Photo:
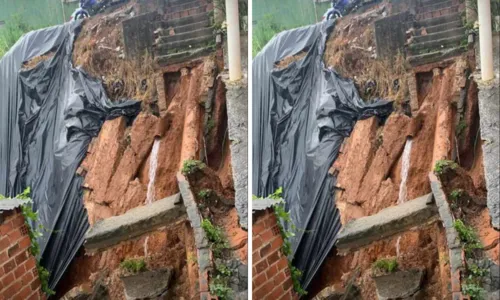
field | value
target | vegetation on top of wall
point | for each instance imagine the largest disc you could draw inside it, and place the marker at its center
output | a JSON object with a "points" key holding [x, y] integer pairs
{"points": [[34, 233], [263, 32]]}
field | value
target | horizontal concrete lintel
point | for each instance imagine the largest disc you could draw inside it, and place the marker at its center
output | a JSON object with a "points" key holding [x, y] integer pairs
{"points": [[134, 223], [387, 223]]}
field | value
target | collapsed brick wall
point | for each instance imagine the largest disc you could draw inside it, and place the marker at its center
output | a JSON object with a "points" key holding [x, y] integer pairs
{"points": [[18, 274], [271, 274]]}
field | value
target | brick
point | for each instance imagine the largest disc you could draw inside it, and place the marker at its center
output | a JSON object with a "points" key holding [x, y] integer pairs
{"points": [[9, 266], [267, 235], [35, 296], [13, 250], [279, 278], [30, 264], [277, 243], [255, 256], [35, 285], [25, 242], [259, 280], [3, 256], [274, 257], [276, 293], [288, 283], [24, 293], [21, 257], [4, 242], [256, 243], [282, 263], [273, 270], [7, 280], [11, 291], [19, 271], [260, 267], [18, 221], [261, 292], [5, 228], [14, 236], [258, 228], [27, 278], [265, 251], [271, 221]]}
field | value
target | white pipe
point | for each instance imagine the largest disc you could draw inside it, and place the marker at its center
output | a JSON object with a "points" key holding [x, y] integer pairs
{"points": [[485, 43], [233, 39]]}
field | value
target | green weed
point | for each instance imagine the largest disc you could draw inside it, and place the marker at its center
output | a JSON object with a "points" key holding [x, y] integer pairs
{"points": [[442, 166], [133, 265], [191, 166], [386, 265], [216, 237]]}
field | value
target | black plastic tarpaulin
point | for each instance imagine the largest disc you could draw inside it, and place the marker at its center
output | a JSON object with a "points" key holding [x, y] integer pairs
{"points": [[301, 115], [48, 116]]}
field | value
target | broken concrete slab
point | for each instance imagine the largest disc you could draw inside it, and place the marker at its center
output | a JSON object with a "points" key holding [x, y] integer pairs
{"points": [[489, 112], [237, 107], [134, 223], [147, 285], [399, 285], [388, 222]]}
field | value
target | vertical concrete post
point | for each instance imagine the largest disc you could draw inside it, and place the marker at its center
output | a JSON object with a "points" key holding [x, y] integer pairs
{"points": [[485, 43], [233, 39]]}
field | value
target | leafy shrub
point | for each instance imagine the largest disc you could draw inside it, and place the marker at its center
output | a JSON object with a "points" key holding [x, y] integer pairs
{"points": [[205, 193], [216, 237], [473, 290]]}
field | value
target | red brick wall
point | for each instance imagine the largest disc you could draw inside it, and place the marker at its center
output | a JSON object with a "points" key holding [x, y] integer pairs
{"points": [[18, 275], [271, 275]]}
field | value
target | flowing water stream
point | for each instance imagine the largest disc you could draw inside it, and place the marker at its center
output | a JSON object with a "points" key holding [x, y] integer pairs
{"points": [[150, 198], [405, 166]]}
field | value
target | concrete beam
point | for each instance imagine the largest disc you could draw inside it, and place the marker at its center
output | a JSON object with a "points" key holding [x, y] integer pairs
{"points": [[388, 222], [134, 223]]}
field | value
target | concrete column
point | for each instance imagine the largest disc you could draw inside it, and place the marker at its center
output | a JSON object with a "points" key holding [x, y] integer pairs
{"points": [[485, 44], [233, 39]]}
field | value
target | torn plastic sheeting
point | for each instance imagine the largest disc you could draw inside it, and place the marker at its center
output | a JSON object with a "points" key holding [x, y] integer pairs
{"points": [[301, 116], [48, 116]]}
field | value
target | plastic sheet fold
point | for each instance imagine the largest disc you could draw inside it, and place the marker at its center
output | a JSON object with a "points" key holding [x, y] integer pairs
{"points": [[301, 115], [48, 116]]}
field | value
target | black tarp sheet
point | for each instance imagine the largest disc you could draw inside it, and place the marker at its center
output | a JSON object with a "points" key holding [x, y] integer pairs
{"points": [[301, 115], [48, 116]]}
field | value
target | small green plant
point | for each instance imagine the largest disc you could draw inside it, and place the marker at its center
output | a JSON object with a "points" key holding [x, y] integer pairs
{"points": [[477, 272], [460, 128], [467, 236], [216, 237], [442, 166], [192, 259], [456, 194], [205, 193], [386, 265], [475, 291], [133, 265], [223, 270], [191, 166], [221, 290]]}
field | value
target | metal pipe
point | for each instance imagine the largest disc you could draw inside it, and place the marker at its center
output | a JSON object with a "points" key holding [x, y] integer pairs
{"points": [[233, 39], [485, 43]]}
